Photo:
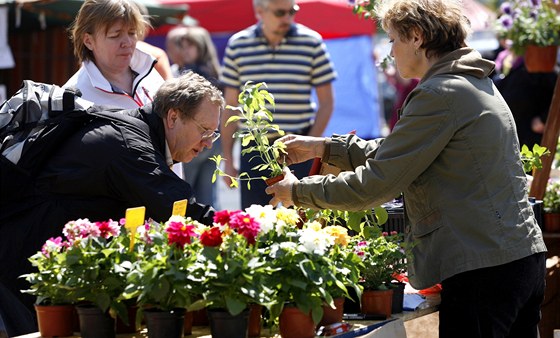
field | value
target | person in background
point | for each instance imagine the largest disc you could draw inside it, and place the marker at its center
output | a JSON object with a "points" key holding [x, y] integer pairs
{"points": [[193, 50], [113, 71], [107, 166], [528, 95], [292, 60], [173, 47], [454, 155]]}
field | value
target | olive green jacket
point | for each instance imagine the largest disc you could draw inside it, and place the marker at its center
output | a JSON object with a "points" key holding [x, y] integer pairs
{"points": [[454, 155]]}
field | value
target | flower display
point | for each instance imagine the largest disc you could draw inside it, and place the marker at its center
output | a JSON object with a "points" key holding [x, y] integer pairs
{"points": [[529, 22], [309, 261]]}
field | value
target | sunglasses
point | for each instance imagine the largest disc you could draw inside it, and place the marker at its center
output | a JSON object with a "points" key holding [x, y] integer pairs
{"points": [[280, 13]]}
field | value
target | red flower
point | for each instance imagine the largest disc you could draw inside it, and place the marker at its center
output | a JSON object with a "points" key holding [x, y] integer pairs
{"points": [[211, 237], [179, 233], [222, 217]]}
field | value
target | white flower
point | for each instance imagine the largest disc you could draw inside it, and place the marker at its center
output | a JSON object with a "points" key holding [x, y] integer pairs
{"points": [[315, 240], [265, 215]]}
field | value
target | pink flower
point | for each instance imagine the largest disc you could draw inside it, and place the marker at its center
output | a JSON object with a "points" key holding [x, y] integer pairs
{"points": [[211, 237], [180, 233], [80, 228], [245, 225], [108, 228], [52, 245]]}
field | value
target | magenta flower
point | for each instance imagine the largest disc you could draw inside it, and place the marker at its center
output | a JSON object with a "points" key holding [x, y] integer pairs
{"points": [[222, 217], [180, 233], [245, 225], [108, 228]]}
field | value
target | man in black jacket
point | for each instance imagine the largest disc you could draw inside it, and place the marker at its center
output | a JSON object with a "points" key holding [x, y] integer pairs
{"points": [[110, 165]]}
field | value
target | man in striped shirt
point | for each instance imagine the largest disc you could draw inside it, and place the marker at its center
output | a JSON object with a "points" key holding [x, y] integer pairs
{"points": [[292, 60]]}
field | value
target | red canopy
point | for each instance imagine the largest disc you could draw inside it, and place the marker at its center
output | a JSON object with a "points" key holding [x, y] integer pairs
{"points": [[331, 18]]}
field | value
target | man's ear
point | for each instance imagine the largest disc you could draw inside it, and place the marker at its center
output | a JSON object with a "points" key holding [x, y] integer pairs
{"points": [[171, 118]]}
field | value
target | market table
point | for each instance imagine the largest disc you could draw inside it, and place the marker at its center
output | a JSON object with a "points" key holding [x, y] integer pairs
{"points": [[359, 329]]}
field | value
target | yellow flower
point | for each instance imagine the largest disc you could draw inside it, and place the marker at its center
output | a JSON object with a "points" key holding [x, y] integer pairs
{"points": [[339, 233], [289, 216]]}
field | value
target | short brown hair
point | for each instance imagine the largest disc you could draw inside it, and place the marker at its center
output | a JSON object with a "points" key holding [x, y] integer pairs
{"points": [[441, 22], [95, 15]]}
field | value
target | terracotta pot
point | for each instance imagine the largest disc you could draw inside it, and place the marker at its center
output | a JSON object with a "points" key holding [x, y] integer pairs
{"points": [[273, 180], [330, 315], [539, 59], [377, 302], [255, 313], [55, 320], [296, 324], [551, 222], [187, 329]]}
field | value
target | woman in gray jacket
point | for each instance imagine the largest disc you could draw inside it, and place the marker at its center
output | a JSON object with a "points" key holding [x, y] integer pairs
{"points": [[454, 156]]}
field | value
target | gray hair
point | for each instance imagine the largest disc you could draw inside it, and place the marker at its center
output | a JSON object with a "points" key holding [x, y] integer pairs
{"points": [[264, 3], [185, 94]]}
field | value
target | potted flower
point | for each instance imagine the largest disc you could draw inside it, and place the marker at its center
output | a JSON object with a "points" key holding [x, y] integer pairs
{"points": [[382, 257], [97, 261], [54, 305], [307, 274], [236, 272], [257, 121], [167, 278], [533, 27]]}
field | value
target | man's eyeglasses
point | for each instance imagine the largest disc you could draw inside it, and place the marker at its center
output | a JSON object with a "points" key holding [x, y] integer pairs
{"points": [[280, 13], [207, 134]]}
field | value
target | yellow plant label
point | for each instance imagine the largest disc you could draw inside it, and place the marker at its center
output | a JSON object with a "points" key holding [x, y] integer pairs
{"points": [[134, 217], [179, 208]]}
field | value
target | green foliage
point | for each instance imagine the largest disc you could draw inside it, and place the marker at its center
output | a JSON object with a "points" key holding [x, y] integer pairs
{"points": [[382, 257], [257, 127], [365, 223], [551, 200], [529, 23], [165, 275], [531, 159], [49, 283], [236, 275]]}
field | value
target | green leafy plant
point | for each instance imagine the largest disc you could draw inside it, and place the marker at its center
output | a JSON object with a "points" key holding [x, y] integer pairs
{"points": [[254, 136], [366, 223], [89, 265], [383, 257], [531, 159], [49, 282], [167, 273], [235, 269], [533, 22]]}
